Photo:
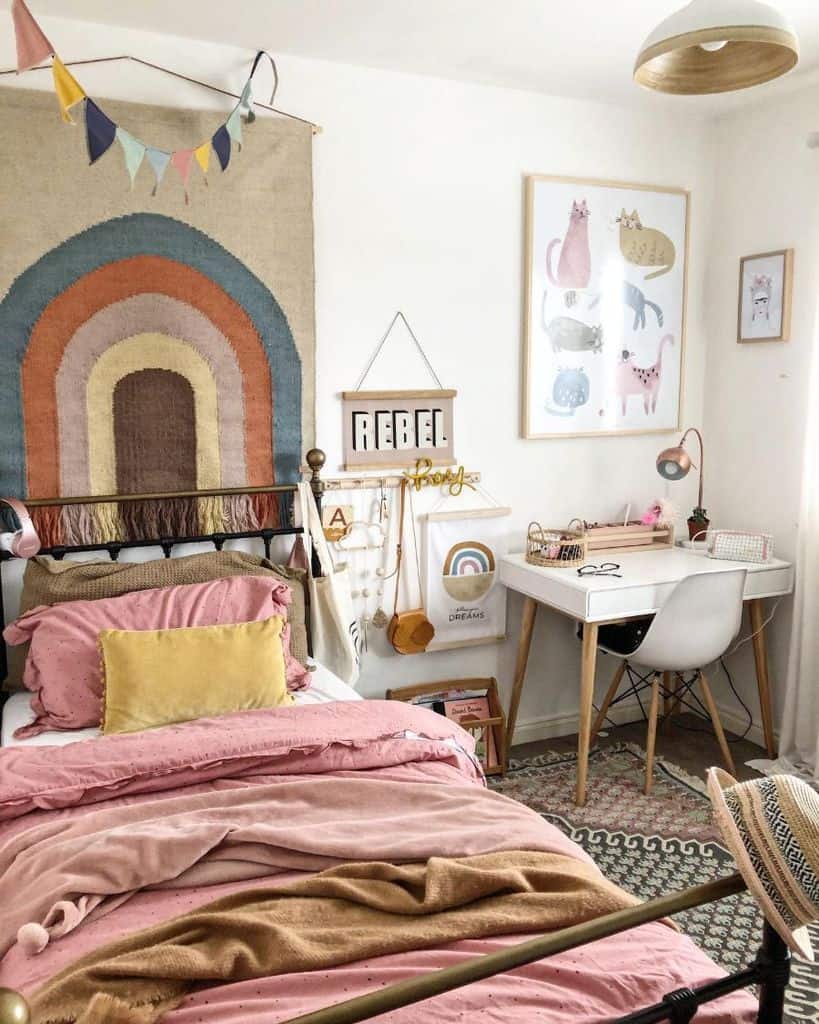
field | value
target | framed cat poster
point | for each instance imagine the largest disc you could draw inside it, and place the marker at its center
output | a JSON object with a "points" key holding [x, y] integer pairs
{"points": [[764, 312], [604, 335]]}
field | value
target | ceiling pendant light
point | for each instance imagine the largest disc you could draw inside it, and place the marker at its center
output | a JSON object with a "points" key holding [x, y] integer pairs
{"points": [[717, 46]]}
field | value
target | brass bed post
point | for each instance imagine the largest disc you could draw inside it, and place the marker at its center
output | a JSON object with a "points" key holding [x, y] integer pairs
{"points": [[315, 460]]}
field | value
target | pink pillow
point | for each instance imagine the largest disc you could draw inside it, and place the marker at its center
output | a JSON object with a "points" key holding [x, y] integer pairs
{"points": [[63, 667]]}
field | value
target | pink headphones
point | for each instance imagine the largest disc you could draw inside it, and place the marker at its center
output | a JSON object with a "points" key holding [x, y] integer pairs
{"points": [[24, 543]]}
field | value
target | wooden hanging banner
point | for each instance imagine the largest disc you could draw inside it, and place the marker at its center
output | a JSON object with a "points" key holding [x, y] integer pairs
{"points": [[394, 429]]}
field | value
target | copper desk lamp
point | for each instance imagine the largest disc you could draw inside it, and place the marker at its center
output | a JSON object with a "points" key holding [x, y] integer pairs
{"points": [[674, 464]]}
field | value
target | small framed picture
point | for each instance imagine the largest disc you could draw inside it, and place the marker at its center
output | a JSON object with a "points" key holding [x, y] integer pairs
{"points": [[764, 311]]}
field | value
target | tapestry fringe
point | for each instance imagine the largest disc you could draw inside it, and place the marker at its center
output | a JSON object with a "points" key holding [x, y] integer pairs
{"points": [[160, 519]]}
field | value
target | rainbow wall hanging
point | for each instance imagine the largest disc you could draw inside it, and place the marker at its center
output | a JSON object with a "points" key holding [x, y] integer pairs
{"points": [[463, 597], [160, 351]]}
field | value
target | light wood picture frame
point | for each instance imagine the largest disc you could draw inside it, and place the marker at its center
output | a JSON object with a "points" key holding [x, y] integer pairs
{"points": [[604, 307], [764, 301]]}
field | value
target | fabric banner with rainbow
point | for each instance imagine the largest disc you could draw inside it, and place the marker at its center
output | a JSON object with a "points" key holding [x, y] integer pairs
{"points": [[464, 600]]}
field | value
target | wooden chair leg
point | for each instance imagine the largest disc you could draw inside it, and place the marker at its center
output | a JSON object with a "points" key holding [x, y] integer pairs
{"points": [[710, 703], [611, 693], [651, 739]]}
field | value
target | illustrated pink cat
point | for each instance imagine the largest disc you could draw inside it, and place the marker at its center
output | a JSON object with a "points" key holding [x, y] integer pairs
{"points": [[574, 265], [640, 380]]}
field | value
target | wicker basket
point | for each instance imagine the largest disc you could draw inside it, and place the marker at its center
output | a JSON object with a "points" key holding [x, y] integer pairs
{"points": [[558, 549]]}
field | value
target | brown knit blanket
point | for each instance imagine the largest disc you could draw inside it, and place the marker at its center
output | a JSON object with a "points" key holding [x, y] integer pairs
{"points": [[341, 915]]}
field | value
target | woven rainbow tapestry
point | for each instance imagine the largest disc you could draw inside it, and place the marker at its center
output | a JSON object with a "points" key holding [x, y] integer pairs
{"points": [[146, 345]]}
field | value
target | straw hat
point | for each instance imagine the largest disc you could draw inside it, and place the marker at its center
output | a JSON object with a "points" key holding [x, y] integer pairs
{"points": [[771, 826]]}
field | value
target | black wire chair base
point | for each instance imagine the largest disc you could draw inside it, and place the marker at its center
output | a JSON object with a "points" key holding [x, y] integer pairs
{"points": [[679, 691]]}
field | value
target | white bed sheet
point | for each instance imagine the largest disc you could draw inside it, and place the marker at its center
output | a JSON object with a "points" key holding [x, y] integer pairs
{"points": [[325, 687]]}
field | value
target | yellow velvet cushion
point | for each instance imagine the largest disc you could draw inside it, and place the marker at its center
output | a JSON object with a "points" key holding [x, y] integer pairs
{"points": [[155, 677]]}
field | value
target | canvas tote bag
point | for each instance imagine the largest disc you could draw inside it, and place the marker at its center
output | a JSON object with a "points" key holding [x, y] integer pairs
{"points": [[333, 622]]}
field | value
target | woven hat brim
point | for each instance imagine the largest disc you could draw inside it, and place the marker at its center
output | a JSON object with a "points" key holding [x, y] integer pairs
{"points": [[797, 939]]}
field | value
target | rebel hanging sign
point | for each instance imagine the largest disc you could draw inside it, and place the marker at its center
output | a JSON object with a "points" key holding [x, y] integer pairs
{"points": [[393, 429]]}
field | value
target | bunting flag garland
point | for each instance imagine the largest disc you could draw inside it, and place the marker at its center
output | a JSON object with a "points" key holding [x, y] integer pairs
{"points": [[234, 127], [159, 160], [68, 89], [133, 150], [246, 101], [100, 130], [202, 154], [33, 48], [182, 160], [221, 146]]}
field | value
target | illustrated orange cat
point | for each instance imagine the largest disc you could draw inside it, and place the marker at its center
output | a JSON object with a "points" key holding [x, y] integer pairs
{"points": [[645, 247]]}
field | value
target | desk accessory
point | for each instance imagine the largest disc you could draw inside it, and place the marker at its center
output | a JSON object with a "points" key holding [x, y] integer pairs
{"points": [[674, 464], [738, 546], [474, 704], [555, 549], [633, 536]]}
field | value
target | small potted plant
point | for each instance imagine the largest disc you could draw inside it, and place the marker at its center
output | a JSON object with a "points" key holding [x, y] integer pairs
{"points": [[698, 523]]}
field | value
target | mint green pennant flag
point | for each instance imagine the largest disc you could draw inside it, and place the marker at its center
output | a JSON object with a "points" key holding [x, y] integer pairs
{"points": [[234, 126], [246, 102], [133, 150]]}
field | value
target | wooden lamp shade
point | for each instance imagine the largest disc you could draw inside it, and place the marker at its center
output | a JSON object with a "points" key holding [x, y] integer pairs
{"points": [[717, 46]]}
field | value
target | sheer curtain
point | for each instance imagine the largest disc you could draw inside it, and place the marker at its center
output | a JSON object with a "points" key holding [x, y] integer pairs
{"points": [[799, 738]]}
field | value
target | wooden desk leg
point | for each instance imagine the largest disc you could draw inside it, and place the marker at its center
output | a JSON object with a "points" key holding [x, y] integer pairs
{"points": [[762, 679], [527, 626], [588, 666]]}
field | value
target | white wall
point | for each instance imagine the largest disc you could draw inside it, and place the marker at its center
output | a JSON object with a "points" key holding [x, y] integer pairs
{"points": [[418, 206], [756, 395]]}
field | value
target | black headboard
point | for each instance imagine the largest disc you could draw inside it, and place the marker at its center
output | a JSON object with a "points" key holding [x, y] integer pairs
{"points": [[315, 459]]}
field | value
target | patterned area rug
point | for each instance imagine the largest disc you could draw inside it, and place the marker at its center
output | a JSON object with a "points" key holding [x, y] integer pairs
{"points": [[654, 845]]}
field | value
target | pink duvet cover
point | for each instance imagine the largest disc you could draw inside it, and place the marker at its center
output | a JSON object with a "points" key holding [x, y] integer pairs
{"points": [[353, 781]]}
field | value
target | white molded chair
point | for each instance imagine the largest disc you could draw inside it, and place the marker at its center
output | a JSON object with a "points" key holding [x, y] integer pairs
{"points": [[694, 627]]}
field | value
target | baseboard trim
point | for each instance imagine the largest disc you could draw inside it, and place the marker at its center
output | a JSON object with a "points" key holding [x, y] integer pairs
{"points": [[550, 726]]}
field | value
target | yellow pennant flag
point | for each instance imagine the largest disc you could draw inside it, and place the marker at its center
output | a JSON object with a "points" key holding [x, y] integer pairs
{"points": [[202, 154], [68, 89]]}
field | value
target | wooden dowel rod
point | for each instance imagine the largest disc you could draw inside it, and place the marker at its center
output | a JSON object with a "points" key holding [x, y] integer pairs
{"points": [[359, 483], [436, 982]]}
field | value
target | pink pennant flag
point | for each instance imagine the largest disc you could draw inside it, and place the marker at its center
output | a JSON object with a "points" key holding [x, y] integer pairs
{"points": [[182, 160], [32, 46]]}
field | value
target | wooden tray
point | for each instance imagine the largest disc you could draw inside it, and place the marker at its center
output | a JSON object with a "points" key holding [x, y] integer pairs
{"points": [[496, 722], [631, 537]]}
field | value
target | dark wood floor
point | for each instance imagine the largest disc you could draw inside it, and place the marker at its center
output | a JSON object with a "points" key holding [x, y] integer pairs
{"points": [[692, 751]]}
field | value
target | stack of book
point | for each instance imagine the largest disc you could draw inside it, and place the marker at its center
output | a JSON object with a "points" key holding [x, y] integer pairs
{"points": [[470, 709]]}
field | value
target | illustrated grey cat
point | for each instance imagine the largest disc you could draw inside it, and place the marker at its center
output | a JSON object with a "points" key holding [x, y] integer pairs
{"points": [[573, 335], [569, 391], [633, 297]]}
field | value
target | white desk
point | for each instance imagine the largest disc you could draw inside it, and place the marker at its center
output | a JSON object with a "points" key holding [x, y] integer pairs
{"points": [[648, 577]]}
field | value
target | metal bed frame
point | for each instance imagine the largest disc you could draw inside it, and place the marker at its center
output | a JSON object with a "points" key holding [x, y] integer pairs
{"points": [[769, 970]]}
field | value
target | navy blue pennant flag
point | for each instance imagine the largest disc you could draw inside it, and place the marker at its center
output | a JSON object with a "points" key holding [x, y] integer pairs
{"points": [[221, 146], [100, 131]]}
